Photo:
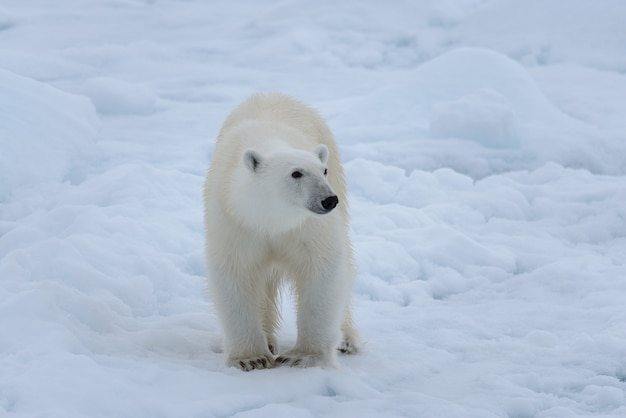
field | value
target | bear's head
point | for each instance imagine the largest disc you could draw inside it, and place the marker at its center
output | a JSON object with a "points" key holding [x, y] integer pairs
{"points": [[285, 186]]}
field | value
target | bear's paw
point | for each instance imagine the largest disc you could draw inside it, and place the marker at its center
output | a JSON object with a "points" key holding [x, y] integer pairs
{"points": [[297, 359], [347, 346]]}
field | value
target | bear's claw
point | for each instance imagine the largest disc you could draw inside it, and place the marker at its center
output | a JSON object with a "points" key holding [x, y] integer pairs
{"points": [[347, 346], [254, 363], [290, 361]]}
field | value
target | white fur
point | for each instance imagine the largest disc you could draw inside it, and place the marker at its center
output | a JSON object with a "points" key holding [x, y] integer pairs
{"points": [[264, 225]]}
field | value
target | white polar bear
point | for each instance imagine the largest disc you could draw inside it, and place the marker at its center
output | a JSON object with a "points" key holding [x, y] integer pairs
{"points": [[276, 209]]}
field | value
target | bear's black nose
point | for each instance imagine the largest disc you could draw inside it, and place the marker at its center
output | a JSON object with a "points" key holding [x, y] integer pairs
{"points": [[330, 202]]}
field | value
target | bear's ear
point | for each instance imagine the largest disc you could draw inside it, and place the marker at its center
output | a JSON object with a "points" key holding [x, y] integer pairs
{"points": [[322, 153], [252, 159]]}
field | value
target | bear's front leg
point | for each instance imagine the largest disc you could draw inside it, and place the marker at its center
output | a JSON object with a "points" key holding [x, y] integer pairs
{"points": [[238, 309], [322, 300]]}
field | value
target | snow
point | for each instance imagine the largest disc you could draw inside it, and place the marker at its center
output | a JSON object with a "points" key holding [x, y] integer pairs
{"points": [[483, 116], [48, 135], [483, 142], [115, 96]]}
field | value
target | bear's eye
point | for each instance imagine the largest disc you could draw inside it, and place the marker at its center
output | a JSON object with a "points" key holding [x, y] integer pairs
{"points": [[296, 174], [325, 171]]}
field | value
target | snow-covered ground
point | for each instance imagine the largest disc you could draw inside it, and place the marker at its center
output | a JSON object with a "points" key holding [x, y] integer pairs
{"points": [[485, 147]]}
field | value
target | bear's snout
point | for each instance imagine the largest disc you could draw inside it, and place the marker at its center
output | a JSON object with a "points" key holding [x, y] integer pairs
{"points": [[330, 203]]}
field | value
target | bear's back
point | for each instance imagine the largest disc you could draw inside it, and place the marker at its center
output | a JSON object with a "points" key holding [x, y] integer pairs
{"points": [[280, 108]]}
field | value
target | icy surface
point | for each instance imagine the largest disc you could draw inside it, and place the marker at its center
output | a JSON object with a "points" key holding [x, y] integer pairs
{"points": [[484, 143]]}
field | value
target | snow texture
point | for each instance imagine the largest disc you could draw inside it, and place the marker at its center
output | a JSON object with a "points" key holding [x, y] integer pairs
{"points": [[484, 144]]}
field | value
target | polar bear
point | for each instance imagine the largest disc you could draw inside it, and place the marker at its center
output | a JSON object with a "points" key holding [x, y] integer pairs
{"points": [[275, 211]]}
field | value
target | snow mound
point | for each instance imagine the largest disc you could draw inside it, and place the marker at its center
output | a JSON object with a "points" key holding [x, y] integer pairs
{"points": [[113, 96], [483, 116], [487, 106], [466, 71], [461, 74], [456, 81], [46, 135]]}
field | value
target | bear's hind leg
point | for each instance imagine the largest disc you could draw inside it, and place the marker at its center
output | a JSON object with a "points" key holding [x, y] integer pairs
{"points": [[351, 342]]}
